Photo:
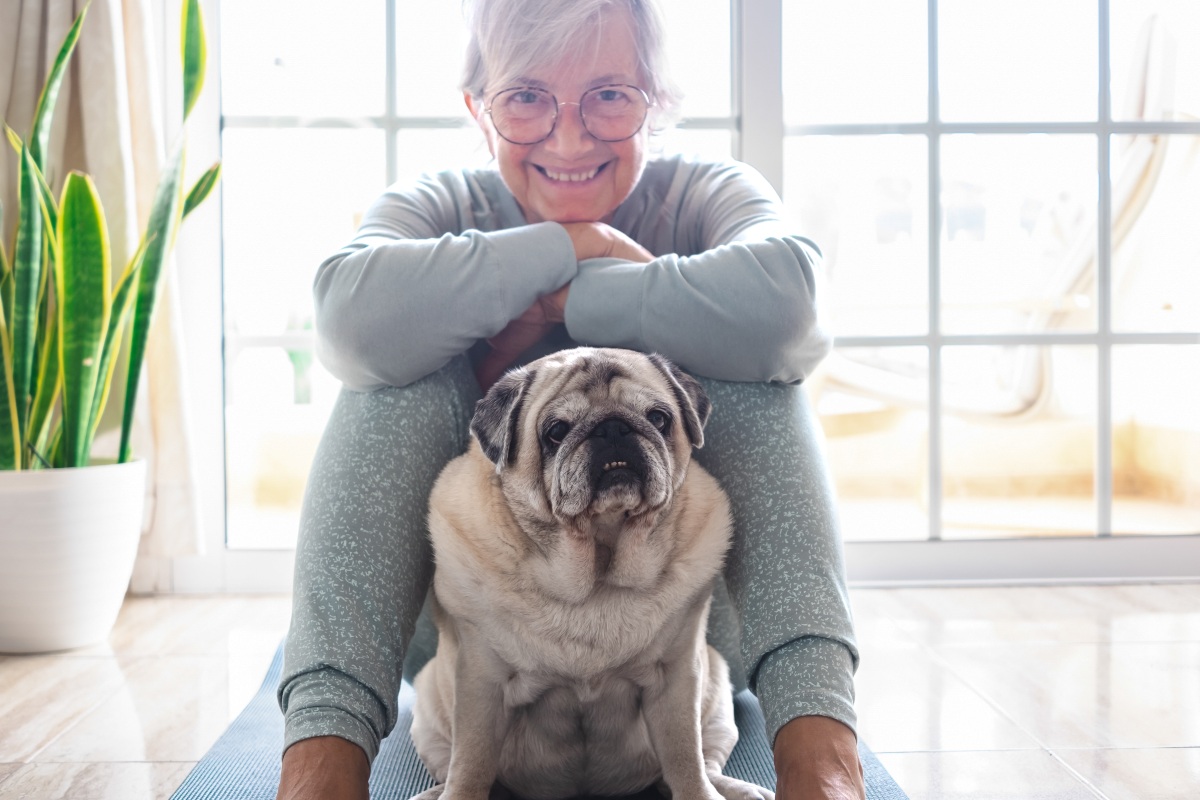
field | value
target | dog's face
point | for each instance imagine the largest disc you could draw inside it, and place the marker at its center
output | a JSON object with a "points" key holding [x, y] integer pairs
{"points": [[591, 432]]}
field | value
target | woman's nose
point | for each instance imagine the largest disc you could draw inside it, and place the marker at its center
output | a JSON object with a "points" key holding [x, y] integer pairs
{"points": [[570, 136]]}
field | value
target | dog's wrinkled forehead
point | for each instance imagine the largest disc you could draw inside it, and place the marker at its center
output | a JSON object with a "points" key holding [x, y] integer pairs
{"points": [[579, 383], [593, 383]]}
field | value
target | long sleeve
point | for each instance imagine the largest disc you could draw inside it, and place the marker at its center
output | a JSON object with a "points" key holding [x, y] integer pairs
{"points": [[735, 296], [433, 269]]}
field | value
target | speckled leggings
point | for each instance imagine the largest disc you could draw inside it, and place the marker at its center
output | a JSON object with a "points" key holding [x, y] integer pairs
{"points": [[363, 562]]}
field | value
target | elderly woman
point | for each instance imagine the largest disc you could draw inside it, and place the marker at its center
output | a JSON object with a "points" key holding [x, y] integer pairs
{"points": [[577, 236]]}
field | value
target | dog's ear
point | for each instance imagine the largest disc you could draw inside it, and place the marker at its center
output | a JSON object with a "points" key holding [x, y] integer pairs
{"points": [[693, 401], [498, 414]]}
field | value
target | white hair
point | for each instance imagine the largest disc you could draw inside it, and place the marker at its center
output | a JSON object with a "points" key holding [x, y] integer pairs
{"points": [[512, 38]]}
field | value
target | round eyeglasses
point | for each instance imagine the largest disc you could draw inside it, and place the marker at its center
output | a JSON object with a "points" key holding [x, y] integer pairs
{"points": [[527, 115]]}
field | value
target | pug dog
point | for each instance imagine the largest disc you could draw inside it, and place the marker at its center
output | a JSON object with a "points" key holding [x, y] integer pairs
{"points": [[576, 547]]}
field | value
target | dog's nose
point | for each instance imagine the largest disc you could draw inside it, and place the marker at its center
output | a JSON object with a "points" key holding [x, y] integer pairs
{"points": [[612, 429]]}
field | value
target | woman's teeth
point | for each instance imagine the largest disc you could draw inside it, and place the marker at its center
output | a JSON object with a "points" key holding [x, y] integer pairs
{"points": [[573, 177]]}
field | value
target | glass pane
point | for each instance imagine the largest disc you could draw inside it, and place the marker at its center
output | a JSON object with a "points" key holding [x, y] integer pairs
{"points": [[873, 405], [1018, 442], [702, 143], [864, 201], [698, 54], [855, 61], [1156, 238], [1156, 439], [1018, 233], [1009, 60], [277, 402], [431, 38], [1155, 59], [290, 199], [313, 59], [429, 150]]}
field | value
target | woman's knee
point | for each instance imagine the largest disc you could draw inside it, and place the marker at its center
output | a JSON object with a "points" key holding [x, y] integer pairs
{"points": [[757, 416], [433, 410]]}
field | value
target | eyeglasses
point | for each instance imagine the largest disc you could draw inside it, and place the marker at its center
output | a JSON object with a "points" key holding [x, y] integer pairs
{"points": [[527, 115]]}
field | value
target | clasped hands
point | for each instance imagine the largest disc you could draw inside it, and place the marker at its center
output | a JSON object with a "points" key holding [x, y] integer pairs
{"points": [[590, 240]]}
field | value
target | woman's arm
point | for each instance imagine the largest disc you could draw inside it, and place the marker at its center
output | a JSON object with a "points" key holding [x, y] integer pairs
{"points": [[421, 282], [736, 296]]}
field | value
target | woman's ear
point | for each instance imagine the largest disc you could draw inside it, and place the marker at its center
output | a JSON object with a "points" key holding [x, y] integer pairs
{"points": [[475, 107]]}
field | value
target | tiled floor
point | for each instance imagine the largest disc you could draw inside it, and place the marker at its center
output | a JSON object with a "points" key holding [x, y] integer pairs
{"points": [[128, 719], [1023, 693]]}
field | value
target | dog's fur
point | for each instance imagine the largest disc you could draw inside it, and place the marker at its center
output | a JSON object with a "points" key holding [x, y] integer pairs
{"points": [[576, 547]]}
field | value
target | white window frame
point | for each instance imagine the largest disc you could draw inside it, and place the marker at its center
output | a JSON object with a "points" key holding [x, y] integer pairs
{"points": [[759, 133], [1103, 557]]}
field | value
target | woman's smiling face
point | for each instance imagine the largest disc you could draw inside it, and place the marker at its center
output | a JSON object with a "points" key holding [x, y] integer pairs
{"points": [[573, 176]]}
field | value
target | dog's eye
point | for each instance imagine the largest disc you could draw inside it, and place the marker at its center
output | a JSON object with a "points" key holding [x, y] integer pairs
{"points": [[557, 432], [658, 419]]}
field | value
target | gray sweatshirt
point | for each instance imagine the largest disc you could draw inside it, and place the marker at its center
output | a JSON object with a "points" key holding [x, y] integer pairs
{"points": [[441, 265]]}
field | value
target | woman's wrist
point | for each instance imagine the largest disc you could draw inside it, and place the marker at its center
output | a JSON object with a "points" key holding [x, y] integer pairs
{"points": [[817, 757], [598, 240], [324, 768], [588, 239]]}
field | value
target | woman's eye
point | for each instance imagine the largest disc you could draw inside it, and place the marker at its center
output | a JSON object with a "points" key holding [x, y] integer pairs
{"points": [[658, 419], [557, 432]]}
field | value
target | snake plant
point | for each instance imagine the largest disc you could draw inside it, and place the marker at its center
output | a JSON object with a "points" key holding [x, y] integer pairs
{"points": [[62, 317]]}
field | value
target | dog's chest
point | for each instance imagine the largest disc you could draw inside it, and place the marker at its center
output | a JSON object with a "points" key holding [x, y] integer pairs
{"points": [[587, 735], [614, 636]]}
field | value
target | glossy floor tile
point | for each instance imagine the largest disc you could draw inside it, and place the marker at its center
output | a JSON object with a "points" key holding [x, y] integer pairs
{"points": [[908, 701], [1090, 695], [1160, 774], [998, 775], [128, 719], [164, 712], [1074, 691], [1052, 614], [94, 781], [1029, 693]]}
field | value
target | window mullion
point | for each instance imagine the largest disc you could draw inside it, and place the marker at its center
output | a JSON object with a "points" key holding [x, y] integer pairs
{"points": [[935, 281], [1104, 427], [390, 111], [757, 49]]}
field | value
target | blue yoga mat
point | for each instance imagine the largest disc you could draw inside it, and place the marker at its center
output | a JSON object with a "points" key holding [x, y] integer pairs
{"points": [[244, 762]]}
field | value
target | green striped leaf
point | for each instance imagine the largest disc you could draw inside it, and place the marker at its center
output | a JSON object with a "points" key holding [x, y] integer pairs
{"points": [[49, 204], [14, 139], [7, 284], [27, 281], [4, 270], [159, 237], [84, 299], [195, 54], [39, 136], [10, 428], [202, 188], [121, 305], [48, 199], [49, 385]]}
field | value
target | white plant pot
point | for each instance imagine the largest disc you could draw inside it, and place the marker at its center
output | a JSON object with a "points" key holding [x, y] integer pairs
{"points": [[68, 539]]}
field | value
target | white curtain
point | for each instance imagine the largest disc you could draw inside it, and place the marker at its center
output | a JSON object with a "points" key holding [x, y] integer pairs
{"points": [[109, 123]]}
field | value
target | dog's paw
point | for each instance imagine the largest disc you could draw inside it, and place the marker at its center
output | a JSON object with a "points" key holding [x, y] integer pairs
{"points": [[430, 794], [733, 789], [498, 792]]}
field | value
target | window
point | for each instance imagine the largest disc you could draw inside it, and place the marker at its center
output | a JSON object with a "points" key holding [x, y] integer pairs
{"points": [[1006, 366]]}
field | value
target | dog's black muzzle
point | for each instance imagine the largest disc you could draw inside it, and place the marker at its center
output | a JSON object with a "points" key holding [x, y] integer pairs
{"points": [[616, 455]]}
